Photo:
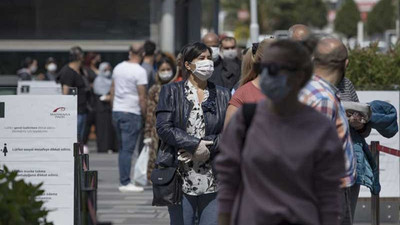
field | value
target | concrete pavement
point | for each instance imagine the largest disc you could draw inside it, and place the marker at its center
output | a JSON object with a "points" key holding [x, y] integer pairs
{"points": [[123, 208]]}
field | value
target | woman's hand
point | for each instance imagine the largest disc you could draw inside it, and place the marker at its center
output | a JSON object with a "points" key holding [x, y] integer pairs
{"points": [[202, 153], [184, 156]]}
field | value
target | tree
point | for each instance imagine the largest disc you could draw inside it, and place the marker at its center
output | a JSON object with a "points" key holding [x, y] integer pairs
{"points": [[280, 14], [347, 18], [381, 18]]}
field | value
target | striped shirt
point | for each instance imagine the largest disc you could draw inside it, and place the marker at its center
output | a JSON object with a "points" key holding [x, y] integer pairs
{"points": [[347, 91], [324, 97]]}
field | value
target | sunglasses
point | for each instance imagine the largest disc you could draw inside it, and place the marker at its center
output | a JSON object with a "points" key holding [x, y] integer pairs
{"points": [[274, 68]]}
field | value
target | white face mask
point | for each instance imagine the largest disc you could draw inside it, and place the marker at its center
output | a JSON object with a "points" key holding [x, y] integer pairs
{"points": [[33, 68], [107, 73], [52, 67], [215, 53], [229, 54], [165, 75], [204, 69]]}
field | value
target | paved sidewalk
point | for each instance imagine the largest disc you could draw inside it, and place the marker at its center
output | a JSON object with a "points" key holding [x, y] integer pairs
{"points": [[122, 208]]}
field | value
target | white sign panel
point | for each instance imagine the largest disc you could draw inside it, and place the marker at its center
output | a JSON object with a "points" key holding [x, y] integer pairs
{"points": [[37, 134], [38, 88], [389, 165]]}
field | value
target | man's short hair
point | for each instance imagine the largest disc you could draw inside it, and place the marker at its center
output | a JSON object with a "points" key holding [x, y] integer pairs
{"points": [[228, 39], [136, 49], [75, 54], [149, 48], [334, 59]]}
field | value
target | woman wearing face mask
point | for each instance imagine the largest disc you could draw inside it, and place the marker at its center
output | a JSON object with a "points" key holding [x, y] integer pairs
{"points": [[190, 116], [165, 74], [249, 89], [29, 67], [51, 69], [105, 134], [281, 161]]}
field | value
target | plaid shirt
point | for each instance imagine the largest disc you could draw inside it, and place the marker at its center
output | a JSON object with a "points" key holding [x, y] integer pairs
{"points": [[324, 97]]}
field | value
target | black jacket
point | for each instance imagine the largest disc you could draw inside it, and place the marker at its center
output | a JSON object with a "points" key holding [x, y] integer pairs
{"points": [[173, 112], [226, 72]]}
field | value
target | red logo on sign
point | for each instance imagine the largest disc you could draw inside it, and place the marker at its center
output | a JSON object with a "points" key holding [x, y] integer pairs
{"points": [[59, 109]]}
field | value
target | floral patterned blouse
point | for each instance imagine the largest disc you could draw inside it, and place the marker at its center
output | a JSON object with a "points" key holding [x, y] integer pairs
{"points": [[197, 177]]}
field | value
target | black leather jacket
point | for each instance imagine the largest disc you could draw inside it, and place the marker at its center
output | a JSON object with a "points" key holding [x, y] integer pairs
{"points": [[173, 112]]}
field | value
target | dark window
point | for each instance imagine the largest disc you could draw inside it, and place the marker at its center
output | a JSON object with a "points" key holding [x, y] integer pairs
{"points": [[75, 19]]}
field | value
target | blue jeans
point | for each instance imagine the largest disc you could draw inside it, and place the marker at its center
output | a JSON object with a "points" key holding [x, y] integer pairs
{"points": [[203, 206], [127, 127], [81, 126]]}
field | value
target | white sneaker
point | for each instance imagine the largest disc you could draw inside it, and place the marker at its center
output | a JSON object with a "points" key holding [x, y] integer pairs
{"points": [[130, 188]]}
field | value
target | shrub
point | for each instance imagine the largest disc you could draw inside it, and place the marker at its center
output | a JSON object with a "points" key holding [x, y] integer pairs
{"points": [[371, 70], [18, 204]]}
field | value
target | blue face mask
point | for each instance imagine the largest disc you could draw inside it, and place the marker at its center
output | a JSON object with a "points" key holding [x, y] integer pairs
{"points": [[274, 86]]}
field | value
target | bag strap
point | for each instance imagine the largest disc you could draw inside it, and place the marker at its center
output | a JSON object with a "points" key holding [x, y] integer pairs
{"points": [[249, 109]]}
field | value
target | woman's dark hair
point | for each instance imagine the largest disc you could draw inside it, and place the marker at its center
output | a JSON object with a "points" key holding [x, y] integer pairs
{"points": [[27, 62], [192, 51], [89, 57], [168, 61]]}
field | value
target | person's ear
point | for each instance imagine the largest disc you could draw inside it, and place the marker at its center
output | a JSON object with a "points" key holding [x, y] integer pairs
{"points": [[187, 65], [346, 63]]}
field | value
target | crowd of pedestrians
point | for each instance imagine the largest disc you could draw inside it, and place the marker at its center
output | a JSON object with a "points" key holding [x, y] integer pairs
{"points": [[258, 136]]}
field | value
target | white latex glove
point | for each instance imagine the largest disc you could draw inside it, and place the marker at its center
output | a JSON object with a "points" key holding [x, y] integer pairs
{"points": [[184, 156], [147, 141], [202, 153], [103, 97]]}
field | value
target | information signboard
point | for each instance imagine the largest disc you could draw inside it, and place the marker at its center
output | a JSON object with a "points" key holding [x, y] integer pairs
{"points": [[37, 134]]}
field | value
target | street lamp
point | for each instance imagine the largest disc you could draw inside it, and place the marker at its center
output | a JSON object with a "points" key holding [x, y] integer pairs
{"points": [[254, 28]]}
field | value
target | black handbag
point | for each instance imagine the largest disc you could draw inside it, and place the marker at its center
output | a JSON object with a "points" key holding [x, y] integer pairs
{"points": [[167, 186]]}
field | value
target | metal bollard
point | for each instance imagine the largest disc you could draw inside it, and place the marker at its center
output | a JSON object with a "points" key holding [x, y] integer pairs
{"points": [[375, 210], [91, 178], [77, 185]]}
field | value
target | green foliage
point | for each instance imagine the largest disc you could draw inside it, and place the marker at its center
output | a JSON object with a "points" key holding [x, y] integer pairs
{"points": [[242, 32], [285, 13], [371, 70], [381, 18], [347, 18], [18, 204], [279, 14]]}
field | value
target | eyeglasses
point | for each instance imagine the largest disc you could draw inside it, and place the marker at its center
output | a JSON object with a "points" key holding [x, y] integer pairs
{"points": [[274, 68]]}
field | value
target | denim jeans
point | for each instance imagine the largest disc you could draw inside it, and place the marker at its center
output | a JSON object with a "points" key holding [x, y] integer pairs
{"points": [[203, 206], [81, 126], [127, 127]]}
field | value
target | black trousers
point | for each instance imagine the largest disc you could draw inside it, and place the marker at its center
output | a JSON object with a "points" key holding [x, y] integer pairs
{"points": [[105, 133], [90, 120], [106, 138]]}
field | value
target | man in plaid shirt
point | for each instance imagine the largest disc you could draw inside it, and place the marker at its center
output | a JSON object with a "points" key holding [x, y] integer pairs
{"points": [[330, 60]]}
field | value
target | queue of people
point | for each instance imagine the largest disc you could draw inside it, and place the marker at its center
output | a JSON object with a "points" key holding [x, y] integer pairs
{"points": [[258, 137], [283, 155]]}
